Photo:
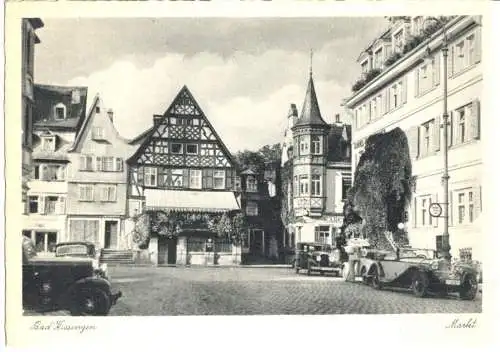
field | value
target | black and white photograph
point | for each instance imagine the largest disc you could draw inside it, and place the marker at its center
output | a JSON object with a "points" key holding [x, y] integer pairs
{"points": [[264, 166]]}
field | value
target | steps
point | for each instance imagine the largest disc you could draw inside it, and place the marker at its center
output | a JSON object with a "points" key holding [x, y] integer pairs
{"points": [[113, 256]]}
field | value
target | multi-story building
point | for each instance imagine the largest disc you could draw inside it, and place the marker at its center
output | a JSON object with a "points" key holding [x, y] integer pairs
{"points": [[402, 86], [316, 174], [182, 180], [260, 203], [97, 181], [29, 38], [57, 116]]}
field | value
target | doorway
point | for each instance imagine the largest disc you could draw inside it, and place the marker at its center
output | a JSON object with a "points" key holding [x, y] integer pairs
{"points": [[110, 234], [167, 250]]}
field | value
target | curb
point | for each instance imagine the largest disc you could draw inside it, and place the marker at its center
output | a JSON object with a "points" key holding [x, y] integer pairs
{"points": [[260, 266]]}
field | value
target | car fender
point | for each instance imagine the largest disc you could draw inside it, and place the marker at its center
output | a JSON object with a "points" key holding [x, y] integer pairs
{"points": [[376, 266], [95, 282]]}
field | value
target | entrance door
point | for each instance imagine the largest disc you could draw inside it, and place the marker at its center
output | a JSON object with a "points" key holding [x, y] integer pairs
{"points": [[167, 250], [110, 234], [171, 250]]}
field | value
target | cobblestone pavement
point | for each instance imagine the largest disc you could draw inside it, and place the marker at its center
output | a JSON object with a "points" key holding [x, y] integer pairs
{"points": [[230, 291]]}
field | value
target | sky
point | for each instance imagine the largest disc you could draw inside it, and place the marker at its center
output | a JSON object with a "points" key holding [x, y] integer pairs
{"points": [[244, 73]]}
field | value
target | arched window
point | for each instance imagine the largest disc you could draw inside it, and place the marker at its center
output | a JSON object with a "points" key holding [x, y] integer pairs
{"points": [[60, 111]]}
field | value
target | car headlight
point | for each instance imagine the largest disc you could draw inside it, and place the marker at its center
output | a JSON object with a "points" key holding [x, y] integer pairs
{"points": [[318, 258], [95, 264], [46, 287], [104, 267]]}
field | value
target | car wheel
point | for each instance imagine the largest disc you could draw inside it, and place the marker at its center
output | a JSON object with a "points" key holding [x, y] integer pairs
{"points": [[468, 289], [420, 284], [376, 284], [91, 301], [363, 276]]}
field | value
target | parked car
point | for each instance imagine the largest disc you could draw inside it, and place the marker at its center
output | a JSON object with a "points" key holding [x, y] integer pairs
{"points": [[65, 282], [83, 250], [318, 257], [419, 270]]}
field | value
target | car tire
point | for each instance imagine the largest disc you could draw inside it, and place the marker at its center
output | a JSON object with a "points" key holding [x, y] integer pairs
{"points": [[91, 301], [420, 284], [364, 278], [376, 284], [469, 287]]}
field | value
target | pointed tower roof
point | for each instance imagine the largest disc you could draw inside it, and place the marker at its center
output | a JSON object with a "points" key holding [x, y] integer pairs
{"points": [[311, 115]]}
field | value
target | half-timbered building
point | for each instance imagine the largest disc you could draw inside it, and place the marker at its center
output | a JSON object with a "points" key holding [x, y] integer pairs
{"points": [[182, 181]]}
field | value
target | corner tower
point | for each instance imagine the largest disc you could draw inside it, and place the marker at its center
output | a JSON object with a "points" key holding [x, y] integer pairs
{"points": [[309, 157]]}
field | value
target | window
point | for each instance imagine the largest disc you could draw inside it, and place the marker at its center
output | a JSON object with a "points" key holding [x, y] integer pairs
{"points": [[304, 146], [346, 185], [177, 177], [252, 209], [85, 230], [51, 203], [316, 145], [364, 66], [466, 207], [460, 59], [373, 108], [321, 234], [378, 106], [425, 218], [75, 96], [86, 193], [108, 163], [296, 185], [108, 193], [47, 172], [176, 148], [86, 163], [49, 143], [461, 125], [119, 164], [316, 185], [219, 179], [427, 129], [251, 184], [378, 59], [60, 111], [192, 149], [97, 133], [470, 50], [33, 204], [45, 241], [398, 41], [304, 184], [195, 179], [150, 176], [466, 124]]}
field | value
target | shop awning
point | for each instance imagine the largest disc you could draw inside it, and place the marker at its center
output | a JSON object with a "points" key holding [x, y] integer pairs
{"points": [[215, 202]]}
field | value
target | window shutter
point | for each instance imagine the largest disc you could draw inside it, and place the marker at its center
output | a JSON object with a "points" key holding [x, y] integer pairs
{"points": [[477, 48], [44, 173], [229, 179], [82, 162], [474, 121], [204, 176], [437, 70], [404, 93], [140, 175], [61, 205], [477, 202], [185, 178], [450, 128], [413, 141], [119, 164], [417, 75], [99, 163], [112, 191], [104, 193], [450, 61], [388, 99], [437, 133], [210, 180]]}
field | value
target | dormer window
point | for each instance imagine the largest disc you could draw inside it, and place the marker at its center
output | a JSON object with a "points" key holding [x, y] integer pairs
{"points": [[378, 58], [98, 133], [251, 184], [49, 143], [60, 111], [397, 41], [364, 66]]}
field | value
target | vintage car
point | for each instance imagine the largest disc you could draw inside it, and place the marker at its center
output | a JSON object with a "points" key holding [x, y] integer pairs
{"points": [[318, 257], [83, 250], [65, 282], [419, 270]]}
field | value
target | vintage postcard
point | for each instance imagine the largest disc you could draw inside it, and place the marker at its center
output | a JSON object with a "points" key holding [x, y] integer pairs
{"points": [[316, 170]]}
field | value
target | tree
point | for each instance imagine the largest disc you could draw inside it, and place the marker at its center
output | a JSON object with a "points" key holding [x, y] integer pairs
{"points": [[258, 159], [382, 186]]}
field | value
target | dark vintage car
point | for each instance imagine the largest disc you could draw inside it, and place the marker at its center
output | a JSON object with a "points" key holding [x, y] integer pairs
{"points": [[69, 280], [318, 257], [419, 270], [83, 250]]}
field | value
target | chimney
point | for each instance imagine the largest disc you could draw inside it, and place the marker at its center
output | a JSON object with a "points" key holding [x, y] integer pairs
{"points": [[110, 114], [337, 118]]}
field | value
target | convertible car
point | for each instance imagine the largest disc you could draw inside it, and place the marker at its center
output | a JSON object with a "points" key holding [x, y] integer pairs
{"points": [[419, 270]]}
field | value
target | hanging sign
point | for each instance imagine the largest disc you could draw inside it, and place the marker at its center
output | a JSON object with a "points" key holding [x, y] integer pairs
{"points": [[435, 210]]}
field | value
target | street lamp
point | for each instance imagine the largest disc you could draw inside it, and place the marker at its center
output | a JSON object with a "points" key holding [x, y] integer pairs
{"points": [[445, 240]]}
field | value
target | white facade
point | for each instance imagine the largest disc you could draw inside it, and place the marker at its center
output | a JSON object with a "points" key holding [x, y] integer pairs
{"points": [[409, 94]]}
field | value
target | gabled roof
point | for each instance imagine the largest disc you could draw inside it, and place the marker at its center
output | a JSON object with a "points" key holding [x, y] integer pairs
{"points": [[141, 137], [184, 92], [311, 115]]}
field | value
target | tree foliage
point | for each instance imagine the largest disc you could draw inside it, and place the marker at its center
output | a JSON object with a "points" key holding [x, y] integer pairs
{"points": [[382, 186], [258, 159]]}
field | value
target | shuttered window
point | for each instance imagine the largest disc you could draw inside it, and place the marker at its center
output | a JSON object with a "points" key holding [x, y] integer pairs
{"points": [[84, 230]]}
